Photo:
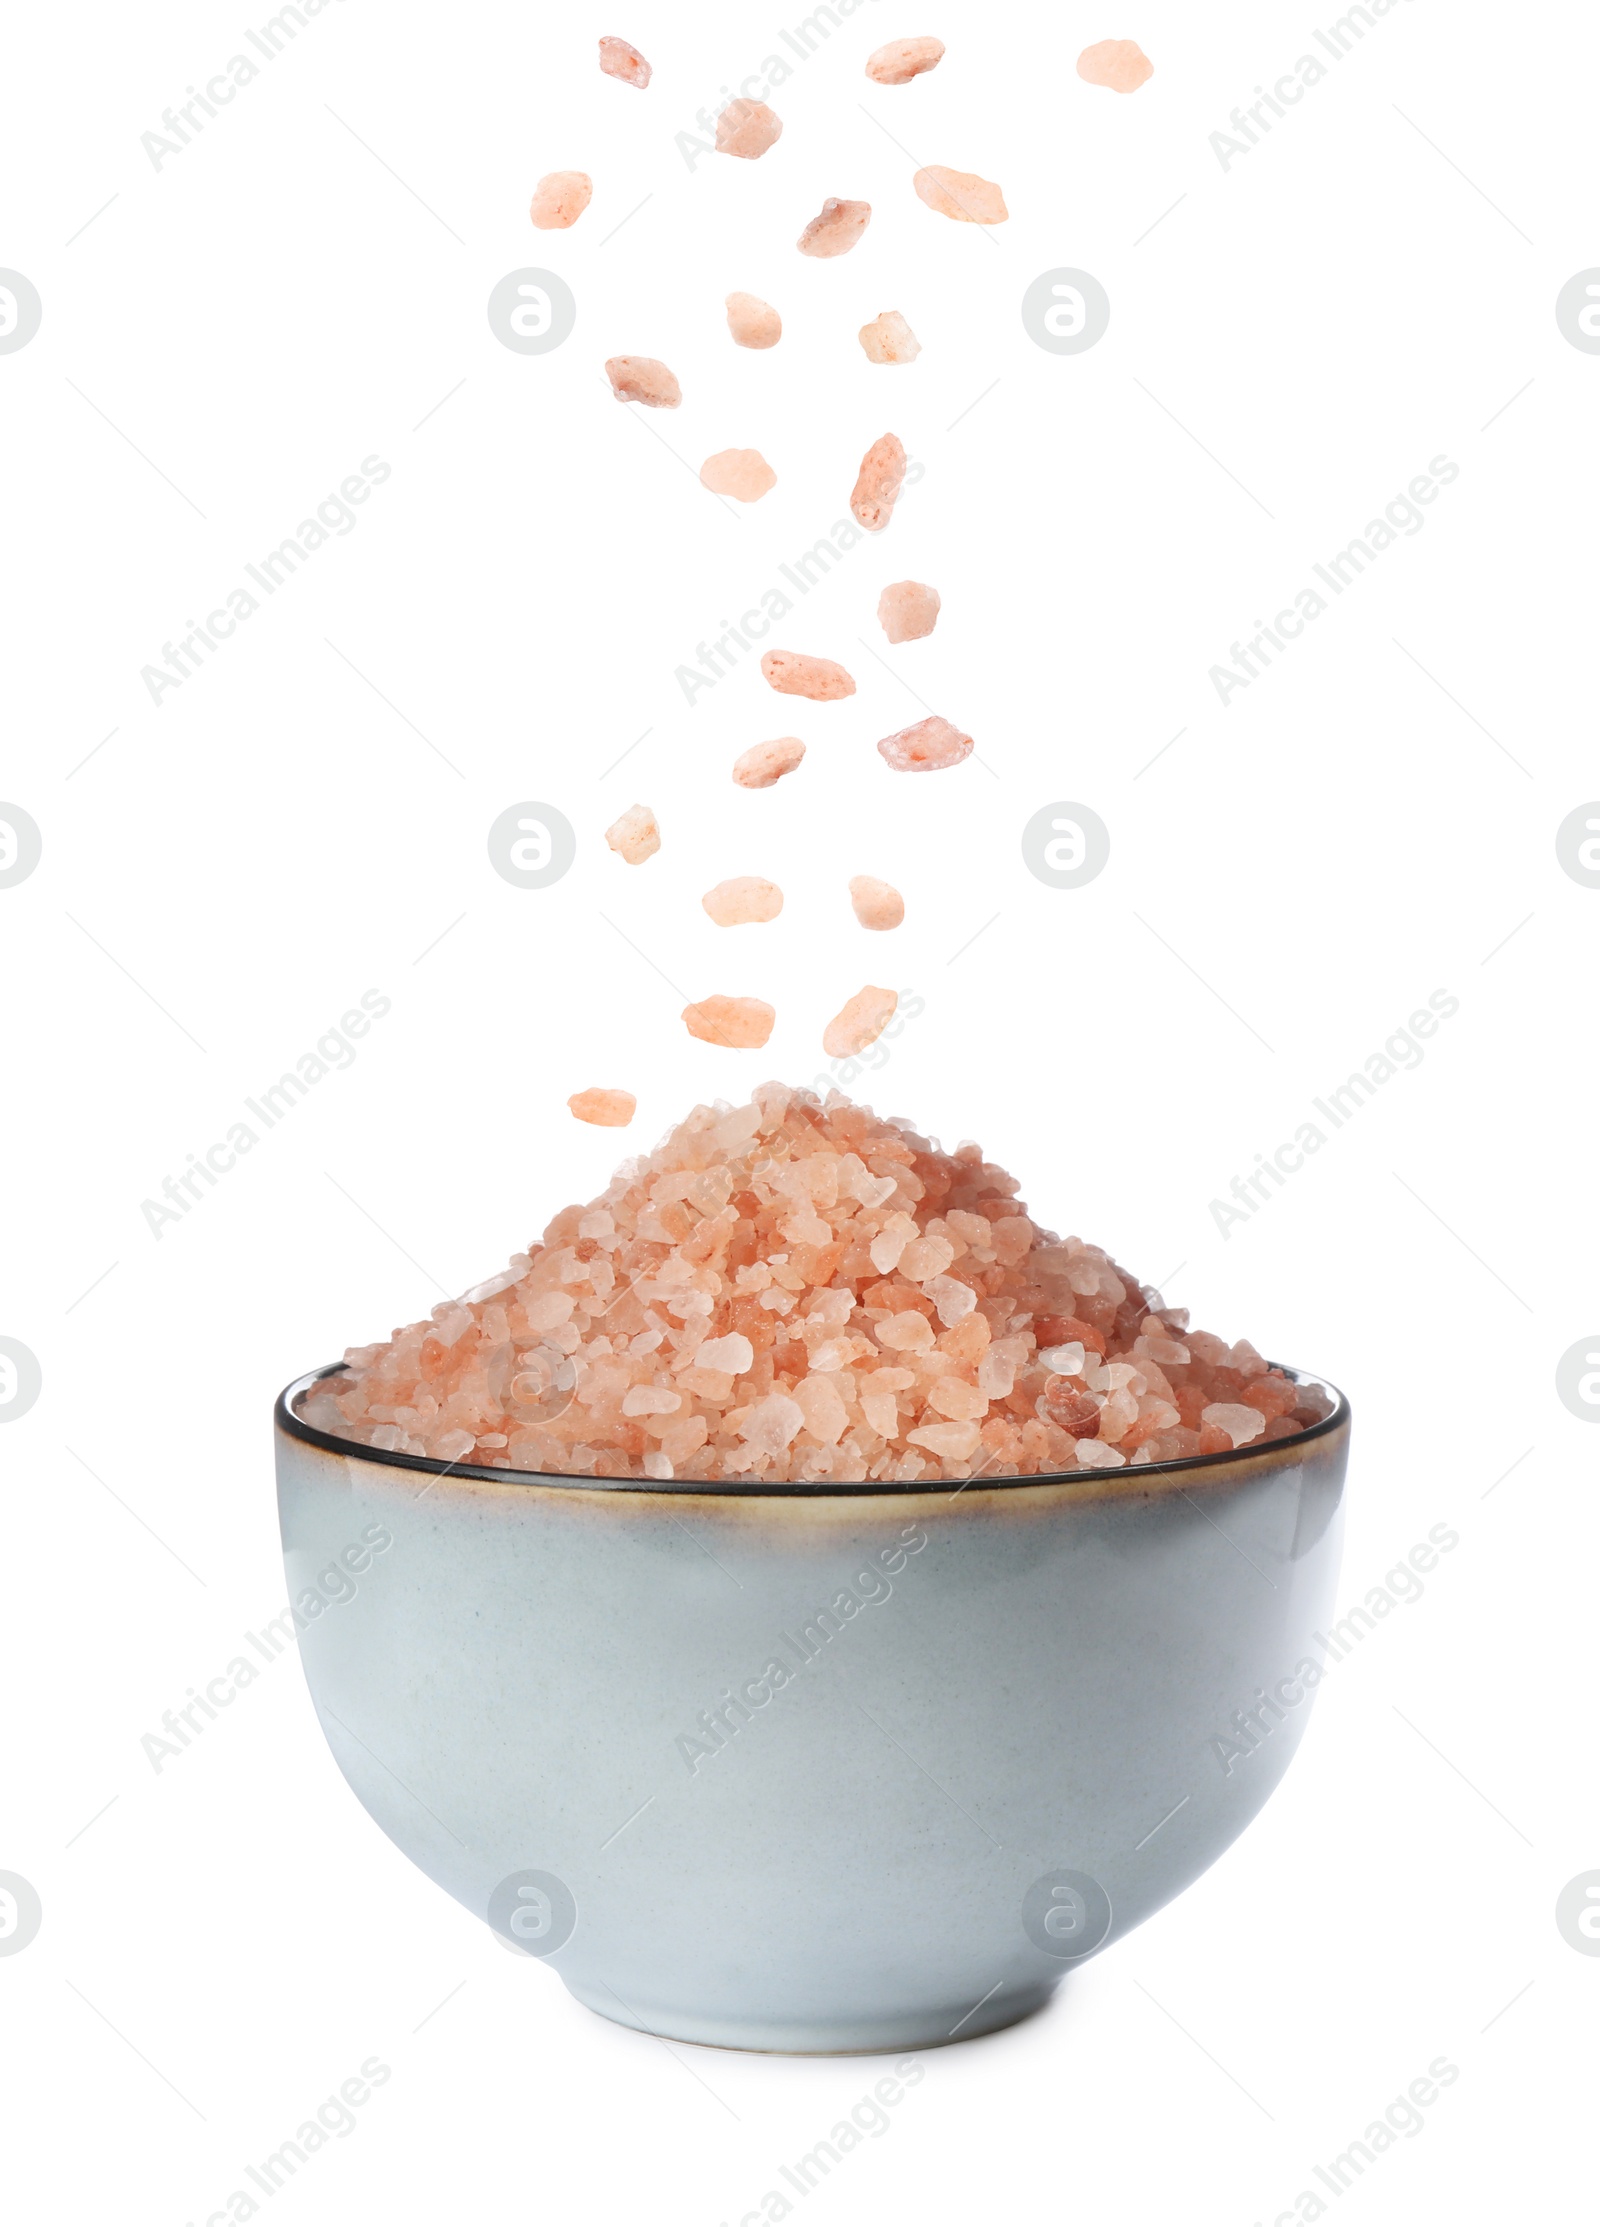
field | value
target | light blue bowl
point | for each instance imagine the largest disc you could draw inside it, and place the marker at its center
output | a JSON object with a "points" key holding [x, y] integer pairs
{"points": [[801, 1769]]}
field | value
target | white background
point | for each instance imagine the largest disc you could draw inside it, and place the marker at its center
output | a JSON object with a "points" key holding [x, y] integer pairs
{"points": [[1292, 340]]}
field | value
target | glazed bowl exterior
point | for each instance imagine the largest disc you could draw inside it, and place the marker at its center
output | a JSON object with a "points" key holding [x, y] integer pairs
{"points": [[814, 1770]]}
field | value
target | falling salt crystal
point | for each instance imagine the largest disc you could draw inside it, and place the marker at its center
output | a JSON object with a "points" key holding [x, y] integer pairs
{"points": [[878, 483], [643, 379], [889, 339], [792, 673], [960, 195], [835, 228], [928, 747], [745, 898], [860, 1021], [560, 199], [743, 473], [636, 835], [903, 59], [907, 610], [747, 129], [765, 763], [1119, 64], [753, 322], [619, 59], [876, 904], [606, 1109], [740, 1024]]}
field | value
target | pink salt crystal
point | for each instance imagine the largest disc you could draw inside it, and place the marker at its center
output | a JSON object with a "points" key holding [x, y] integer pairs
{"points": [[606, 1109], [878, 483], [1241, 1423], [1093, 1453], [619, 59], [903, 59], [560, 199], [643, 379], [926, 1256], [835, 228], [860, 1021], [765, 763], [733, 1354], [907, 610], [743, 473], [907, 1332], [745, 898], [928, 747], [876, 903], [793, 674], [889, 339], [747, 129], [773, 1423], [955, 1397], [753, 322], [1119, 64], [960, 195], [651, 1399], [636, 835], [452, 1445], [658, 1466], [740, 1024], [951, 1441], [826, 1414]]}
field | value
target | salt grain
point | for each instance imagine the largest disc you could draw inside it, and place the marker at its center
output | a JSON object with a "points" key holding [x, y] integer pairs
{"points": [[753, 322], [606, 1109], [765, 763], [1117, 63], [793, 674], [747, 129], [961, 195], [889, 339], [907, 610], [740, 1024], [878, 483], [860, 1021], [636, 836], [619, 59], [643, 379], [903, 59], [876, 903], [745, 898], [928, 747], [560, 199], [1241, 1423], [743, 473], [835, 228]]}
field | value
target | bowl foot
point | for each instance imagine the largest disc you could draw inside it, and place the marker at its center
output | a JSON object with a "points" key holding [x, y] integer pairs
{"points": [[931, 2026]]}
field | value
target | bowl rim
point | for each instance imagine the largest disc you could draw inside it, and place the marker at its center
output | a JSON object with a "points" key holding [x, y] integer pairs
{"points": [[294, 1425]]}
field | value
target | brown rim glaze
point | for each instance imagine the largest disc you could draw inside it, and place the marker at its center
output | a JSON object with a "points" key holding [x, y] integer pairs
{"points": [[1093, 1482]]}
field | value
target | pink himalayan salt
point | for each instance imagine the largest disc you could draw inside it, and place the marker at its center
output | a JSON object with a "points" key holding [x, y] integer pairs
{"points": [[738, 1024], [903, 59], [1241, 1423], [560, 199], [745, 898], [636, 835], [656, 1288], [878, 483], [835, 228], [907, 610], [889, 339], [619, 59], [765, 763], [961, 195], [1117, 63], [793, 674], [606, 1109], [928, 747], [753, 322], [877, 904], [860, 1021], [743, 473], [643, 379], [747, 129]]}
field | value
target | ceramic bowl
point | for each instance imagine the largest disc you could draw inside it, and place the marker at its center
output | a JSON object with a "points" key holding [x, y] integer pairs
{"points": [[815, 1769]]}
